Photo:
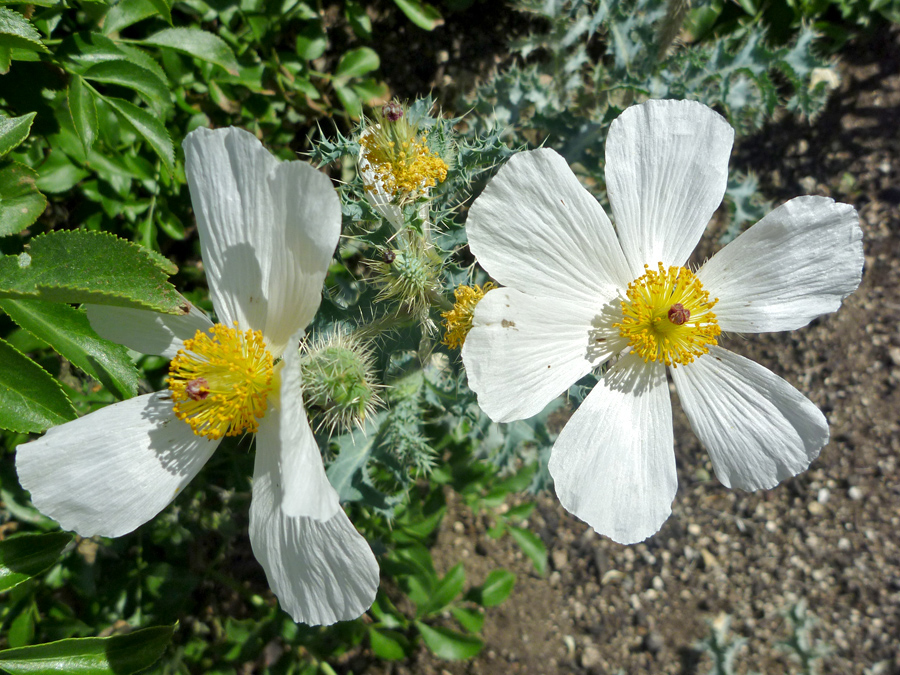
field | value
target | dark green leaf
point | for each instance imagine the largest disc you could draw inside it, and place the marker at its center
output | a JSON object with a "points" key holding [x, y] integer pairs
{"points": [[69, 332], [58, 173], [14, 130], [388, 644], [126, 74], [21, 203], [83, 109], [129, 12], [497, 587], [357, 62], [5, 59], [148, 126], [30, 400], [116, 655], [358, 19], [532, 546], [16, 32], [445, 591], [348, 99], [448, 644], [420, 13], [164, 7], [470, 619], [311, 42], [28, 555], [81, 266], [197, 43]]}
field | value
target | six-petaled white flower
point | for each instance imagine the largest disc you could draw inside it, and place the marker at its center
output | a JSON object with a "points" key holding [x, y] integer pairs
{"points": [[577, 296], [267, 230]]}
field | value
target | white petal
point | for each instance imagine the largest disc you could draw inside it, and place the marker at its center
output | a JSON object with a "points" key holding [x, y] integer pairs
{"points": [[536, 229], [795, 264], [285, 433], [145, 331], [523, 351], [321, 571], [666, 173], [613, 465], [111, 471], [267, 228], [757, 428]]}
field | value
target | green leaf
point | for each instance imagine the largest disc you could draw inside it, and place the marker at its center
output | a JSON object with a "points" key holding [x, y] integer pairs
{"points": [[129, 12], [357, 62], [470, 619], [28, 555], [83, 109], [30, 400], [197, 43], [348, 98], [311, 42], [164, 7], [69, 332], [80, 266], [14, 130], [16, 32], [148, 126], [116, 655], [126, 74], [358, 19], [420, 13], [448, 644], [5, 59], [497, 587], [388, 644], [532, 546], [445, 591], [21, 203]]}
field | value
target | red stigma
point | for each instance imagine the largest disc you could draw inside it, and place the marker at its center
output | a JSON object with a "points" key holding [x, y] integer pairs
{"points": [[678, 314], [197, 390]]}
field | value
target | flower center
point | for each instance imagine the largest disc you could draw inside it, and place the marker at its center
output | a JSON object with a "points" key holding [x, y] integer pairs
{"points": [[403, 164], [220, 381], [458, 321], [667, 316]]}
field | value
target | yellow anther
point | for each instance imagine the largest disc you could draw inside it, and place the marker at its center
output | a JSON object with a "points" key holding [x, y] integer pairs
{"points": [[406, 173], [220, 381], [458, 321], [667, 316]]}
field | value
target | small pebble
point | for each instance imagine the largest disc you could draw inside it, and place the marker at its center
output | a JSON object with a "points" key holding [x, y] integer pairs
{"points": [[855, 493]]}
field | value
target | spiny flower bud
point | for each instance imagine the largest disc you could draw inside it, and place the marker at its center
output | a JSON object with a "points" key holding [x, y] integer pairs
{"points": [[339, 384], [409, 275]]}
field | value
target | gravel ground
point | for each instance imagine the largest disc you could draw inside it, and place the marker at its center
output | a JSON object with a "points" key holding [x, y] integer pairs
{"points": [[828, 537]]}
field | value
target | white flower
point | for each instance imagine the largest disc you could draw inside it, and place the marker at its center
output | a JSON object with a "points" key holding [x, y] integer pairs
{"points": [[577, 296], [267, 233]]}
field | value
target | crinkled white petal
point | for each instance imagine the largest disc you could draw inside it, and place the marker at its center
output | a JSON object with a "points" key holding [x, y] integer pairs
{"points": [[797, 263], [267, 229], [111, 471], [523, 351], [666, 174], [285, 432], [757, 428], [536, 229], [145, 331], [321, 571], [613, 464]]}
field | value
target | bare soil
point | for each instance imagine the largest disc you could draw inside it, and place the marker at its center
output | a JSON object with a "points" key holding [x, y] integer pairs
{"points": [[828, 536]]}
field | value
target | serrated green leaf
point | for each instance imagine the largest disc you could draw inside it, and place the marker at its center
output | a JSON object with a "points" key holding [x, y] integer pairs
{"points": [[80, 266], [83, 109], [126, 74], [16, 32], [532, 546], [69, 332], [448, 644], [21, 203], [14, 130], [128, 13], [197, 43], [28, 555], [445, 591], [357, 62], [116, 655], [149, 127], [164, 7], [497, 587], [388, 644], [420, 13], [470, 619], [30, 400]]}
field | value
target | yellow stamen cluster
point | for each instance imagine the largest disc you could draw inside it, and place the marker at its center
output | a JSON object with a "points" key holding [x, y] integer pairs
{"points": [[458, 321], [220, 381], [405, 167], [668, 317]]}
